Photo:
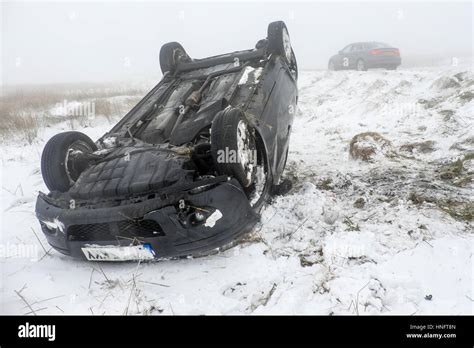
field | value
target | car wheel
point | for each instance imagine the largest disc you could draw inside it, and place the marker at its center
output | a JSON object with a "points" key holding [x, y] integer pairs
{"points": [[279, 41], [331, 66], [64, 158], [170, 54], [361, 65], [392, 68], [233, 146]]}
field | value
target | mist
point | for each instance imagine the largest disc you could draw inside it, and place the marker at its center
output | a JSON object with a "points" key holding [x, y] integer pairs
{"points": [[56, 42]]}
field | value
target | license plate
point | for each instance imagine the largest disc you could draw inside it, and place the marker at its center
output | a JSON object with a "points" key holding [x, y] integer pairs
{"points": [[118, 253]]}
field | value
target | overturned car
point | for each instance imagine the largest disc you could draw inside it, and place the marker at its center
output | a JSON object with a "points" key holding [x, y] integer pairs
{"points": [[187, 170]]}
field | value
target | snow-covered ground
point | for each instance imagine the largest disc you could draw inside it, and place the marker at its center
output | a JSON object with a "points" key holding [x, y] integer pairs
{"points": [[390, 236]]}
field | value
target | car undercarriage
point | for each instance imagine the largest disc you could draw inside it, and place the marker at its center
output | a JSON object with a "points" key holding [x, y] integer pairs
{"points": [[187, 170]]}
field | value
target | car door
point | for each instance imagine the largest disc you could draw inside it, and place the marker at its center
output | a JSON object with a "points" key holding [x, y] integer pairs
{"points": [[345, 57], [274, 107], [354, 55], [362, 53]]}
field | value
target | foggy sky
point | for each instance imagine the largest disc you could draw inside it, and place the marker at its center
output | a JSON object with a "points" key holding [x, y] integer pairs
{"points": [[49, 42]]}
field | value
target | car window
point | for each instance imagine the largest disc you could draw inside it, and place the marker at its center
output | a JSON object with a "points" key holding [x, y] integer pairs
{"points": [[379, 45], [357, 47], [347, 49]]}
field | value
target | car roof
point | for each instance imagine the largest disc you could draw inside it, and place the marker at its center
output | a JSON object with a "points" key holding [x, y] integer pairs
{"points": [[368, 42], [365, 42]]}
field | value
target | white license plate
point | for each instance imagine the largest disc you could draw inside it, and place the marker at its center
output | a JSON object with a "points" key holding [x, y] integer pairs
{"points": [[118, 253]]}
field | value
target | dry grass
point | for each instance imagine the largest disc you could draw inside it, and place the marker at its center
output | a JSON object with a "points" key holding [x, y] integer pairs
{"points": [[23, 124], [25, 109], [103, 107]]}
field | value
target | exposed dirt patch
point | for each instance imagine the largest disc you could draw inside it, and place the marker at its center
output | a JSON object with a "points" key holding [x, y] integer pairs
{"points": [[365, 146], [421, 147]]}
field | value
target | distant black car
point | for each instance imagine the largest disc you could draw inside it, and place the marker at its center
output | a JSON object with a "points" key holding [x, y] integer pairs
{"points": [[187, 170], [366, 55]]}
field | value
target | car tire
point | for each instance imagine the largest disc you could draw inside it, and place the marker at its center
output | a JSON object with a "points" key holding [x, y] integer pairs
{"points": [[59, 170], [170, 55], [232, 143], [360, 65], [279, 41], [331, 66], [392, 68]]}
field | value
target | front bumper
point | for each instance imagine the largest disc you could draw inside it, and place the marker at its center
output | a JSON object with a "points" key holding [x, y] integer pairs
{"points": [[169, 237]]}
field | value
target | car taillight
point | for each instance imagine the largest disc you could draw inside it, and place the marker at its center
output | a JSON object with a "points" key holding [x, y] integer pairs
{"points": [[392, 51]]}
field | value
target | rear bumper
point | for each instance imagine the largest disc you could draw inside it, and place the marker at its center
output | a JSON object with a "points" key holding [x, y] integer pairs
{"points": [[383, 61], [228, 58], [174, 238]]}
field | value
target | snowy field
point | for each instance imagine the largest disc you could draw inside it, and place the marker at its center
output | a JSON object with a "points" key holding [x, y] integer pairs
{"points": [[390, 236]]}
